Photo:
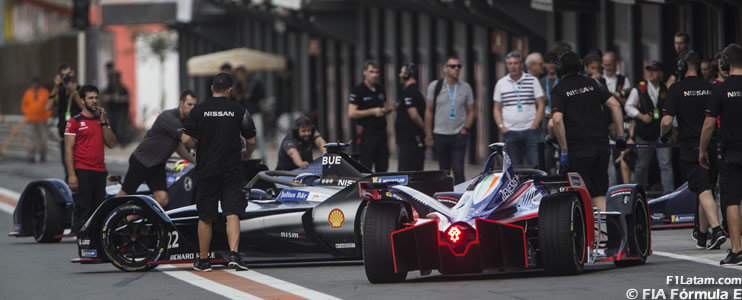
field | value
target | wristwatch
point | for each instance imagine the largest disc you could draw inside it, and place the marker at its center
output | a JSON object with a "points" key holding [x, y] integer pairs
{"points": [[501, 126]]}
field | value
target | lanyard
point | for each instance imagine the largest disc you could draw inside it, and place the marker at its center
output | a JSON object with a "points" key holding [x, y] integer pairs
{"points": [[548, 88], [452, 98], [517, 94], [70, 98]]}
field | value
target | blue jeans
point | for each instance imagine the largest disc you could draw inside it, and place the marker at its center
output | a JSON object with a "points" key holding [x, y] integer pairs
{"points": [[522, 145], [644, 158], [451, 150]]}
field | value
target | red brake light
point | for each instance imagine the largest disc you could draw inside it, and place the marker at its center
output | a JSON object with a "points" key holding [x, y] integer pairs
{"points": [[454, 234]]}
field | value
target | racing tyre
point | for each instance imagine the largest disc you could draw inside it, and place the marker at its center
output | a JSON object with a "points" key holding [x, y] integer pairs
{"points": [[132, 236], [47, 216], [381, 219], [639, 236], [562, 234]]}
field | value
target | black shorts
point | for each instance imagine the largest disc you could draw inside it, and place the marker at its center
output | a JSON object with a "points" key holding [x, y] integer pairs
{"points": [[225, 187], [730, 176], [592, 164], [137, 174], [699, 179]]}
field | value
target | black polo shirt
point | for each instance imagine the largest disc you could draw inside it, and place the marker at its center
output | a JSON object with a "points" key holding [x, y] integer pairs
{"points": [[405, 128], [303, 147], [362, 96], [581, 101], [217, 124], [688, 101], [726, 103]]}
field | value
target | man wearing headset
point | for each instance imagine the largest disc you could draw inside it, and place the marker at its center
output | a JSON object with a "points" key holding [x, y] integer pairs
{"points": [[577, 105], [726, 103], [296, 147], [687, 101], [409, 124]]}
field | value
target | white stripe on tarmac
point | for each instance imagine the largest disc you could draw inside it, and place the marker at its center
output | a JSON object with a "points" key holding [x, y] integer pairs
{"points": [[7, 208], [695, 259], [206, 284], [283, 285], [12, 194]]}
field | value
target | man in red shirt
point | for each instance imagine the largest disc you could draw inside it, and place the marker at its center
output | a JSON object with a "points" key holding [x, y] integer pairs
{"points": [[84, 137]]}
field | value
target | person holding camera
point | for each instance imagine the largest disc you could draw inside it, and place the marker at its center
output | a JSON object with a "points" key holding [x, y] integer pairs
{"points": [[84, 137], [65, 97]]}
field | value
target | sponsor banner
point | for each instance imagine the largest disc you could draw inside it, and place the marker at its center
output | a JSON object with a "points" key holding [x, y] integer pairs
{"points": [[401, 179], [293, 195]]}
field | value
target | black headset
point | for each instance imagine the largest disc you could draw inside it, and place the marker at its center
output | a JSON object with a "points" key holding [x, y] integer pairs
{"points": [[563, 69], [683, 63], [295, 129], [724, 62], [410, 71]]}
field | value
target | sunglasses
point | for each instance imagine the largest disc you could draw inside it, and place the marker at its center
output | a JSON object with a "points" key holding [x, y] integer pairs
{"points": [[454, 66]]}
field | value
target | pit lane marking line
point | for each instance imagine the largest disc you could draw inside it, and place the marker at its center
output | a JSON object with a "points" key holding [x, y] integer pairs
{"points": [[694, 259], [8, 200], [283, 285], [204, 283]]}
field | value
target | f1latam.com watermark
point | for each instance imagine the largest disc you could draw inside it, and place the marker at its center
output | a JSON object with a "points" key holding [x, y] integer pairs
{"points": [[697, 288]]}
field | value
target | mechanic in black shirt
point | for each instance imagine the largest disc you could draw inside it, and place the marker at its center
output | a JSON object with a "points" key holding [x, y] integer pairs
{"points": [[687, 102], [296, 147], [214, 128], [577, 105], [147, 162], [726, 103], [409, 126], [367, 107]]}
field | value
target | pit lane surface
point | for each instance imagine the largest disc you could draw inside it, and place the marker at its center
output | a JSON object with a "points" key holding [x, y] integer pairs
{"points": [[43, 271]]}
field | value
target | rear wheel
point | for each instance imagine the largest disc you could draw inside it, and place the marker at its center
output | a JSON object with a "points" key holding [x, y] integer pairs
{"points": [[47, 216], [562, 234], [639, 238], [380, 220], [131, 237]]}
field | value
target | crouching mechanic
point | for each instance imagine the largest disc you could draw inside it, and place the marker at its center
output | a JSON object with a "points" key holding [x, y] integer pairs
{"points": [[147, 162], [296, 147], [577, 105], [214, 128]]}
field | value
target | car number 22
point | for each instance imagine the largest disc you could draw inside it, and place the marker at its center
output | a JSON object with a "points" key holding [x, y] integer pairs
{"points": [[172, 240]]}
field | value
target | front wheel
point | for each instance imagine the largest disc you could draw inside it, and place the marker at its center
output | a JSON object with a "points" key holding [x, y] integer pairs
{"points": [[132, 237], [47, 217], [380, 220], [639, 237], [562, 234]]}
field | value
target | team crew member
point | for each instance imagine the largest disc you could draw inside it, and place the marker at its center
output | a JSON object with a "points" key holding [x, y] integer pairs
{"points": [[367, 108], [296, 147], [409, 126], [688, 99], [65, 97], [84, 137], [726, 102], [577, 109], [214, 128], [147, 162]]}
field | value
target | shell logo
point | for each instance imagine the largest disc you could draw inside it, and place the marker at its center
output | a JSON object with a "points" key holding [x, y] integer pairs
{"points": [[336, 218]]}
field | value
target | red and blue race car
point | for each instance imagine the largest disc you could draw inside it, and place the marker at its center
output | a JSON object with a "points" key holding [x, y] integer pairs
{"points": [[506, 220]]}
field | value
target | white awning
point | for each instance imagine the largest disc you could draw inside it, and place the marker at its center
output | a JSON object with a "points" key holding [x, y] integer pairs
{"points": [[252, 60]]}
